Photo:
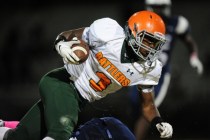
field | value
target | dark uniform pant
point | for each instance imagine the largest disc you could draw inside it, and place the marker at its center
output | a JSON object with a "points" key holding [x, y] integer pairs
{"points": [[56, 114]]}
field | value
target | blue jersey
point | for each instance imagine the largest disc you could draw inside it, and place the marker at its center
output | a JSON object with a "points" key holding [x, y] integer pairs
{"points": [[176, 27]]}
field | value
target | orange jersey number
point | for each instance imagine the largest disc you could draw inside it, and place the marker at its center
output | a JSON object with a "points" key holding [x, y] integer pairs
{"points": [[101, 84]]}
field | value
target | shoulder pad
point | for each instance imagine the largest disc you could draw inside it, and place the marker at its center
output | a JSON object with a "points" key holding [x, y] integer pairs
{"points": [[106, 29], [182, 25]]}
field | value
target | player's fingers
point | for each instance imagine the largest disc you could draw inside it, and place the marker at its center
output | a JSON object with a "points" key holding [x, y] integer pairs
{"points": [[70, 43], [163, 133], [200, 69], [166, 134], [160, 127], [74, 56], [70, 59], [167, 131]]}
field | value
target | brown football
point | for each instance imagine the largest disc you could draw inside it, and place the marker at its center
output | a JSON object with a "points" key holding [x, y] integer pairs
{"points": [[81, 50]]}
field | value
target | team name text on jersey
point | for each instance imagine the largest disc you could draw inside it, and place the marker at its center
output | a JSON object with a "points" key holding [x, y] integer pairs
{"points": [[112, 69]]}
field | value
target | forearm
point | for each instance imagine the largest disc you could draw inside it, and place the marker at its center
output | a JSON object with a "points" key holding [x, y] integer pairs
{"points": [[72, 33], [194, 58], [68, 35], [152, 115], [190, 44], [149, 109]]}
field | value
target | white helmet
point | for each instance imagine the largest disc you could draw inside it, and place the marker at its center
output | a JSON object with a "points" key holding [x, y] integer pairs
{"points": [[158, 2], [161, 7]]}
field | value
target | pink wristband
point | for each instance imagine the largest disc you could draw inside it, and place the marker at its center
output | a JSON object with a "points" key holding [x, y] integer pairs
{"points": [[11, 124]]}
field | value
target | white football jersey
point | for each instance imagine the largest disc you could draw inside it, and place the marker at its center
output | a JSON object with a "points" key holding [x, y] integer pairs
{"points": [[103, 72]]}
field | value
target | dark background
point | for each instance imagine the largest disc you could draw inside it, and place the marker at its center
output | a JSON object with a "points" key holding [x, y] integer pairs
{"points": [[28, 30]]}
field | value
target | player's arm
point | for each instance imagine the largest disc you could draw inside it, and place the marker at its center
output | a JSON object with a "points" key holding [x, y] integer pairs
{"points": [[63, 44], [149, 109], [68, 35], [152, 114], [183, 31], [189, 42], [193, 49]]}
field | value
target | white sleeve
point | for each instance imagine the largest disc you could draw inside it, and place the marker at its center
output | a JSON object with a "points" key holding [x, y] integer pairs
{"points": [[102, 31], [149, 75], [182, 25], [153, 77], [85, 35]]}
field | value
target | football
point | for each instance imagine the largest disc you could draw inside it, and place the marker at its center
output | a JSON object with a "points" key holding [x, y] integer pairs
{"points": [[81, 50]]}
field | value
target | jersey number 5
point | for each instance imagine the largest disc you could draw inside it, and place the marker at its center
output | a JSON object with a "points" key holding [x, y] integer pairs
{"points": [[101, 84]]}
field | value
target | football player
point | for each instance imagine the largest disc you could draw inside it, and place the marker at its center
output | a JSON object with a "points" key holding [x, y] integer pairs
{"points": [[96, 128], [177, 26], [118, 58]]}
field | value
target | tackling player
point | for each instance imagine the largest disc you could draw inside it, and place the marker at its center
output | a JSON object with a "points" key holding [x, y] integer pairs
{"points": [[118, 57], [177, 27], [96, 128]]}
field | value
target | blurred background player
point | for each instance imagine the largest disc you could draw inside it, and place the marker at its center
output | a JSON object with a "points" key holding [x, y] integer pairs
{"points": [[96, 128], [177, 26], [102, 129]]}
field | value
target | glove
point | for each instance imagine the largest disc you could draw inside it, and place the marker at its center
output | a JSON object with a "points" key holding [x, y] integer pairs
{"points": [[196, 63], [165, 130], [64, 49], [73, 138]]}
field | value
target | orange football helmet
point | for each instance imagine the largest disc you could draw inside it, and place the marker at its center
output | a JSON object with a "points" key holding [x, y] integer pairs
{"points": [[145, 25]]}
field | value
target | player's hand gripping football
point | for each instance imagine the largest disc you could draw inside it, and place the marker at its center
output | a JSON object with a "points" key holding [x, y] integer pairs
{"points": [[165, 130], [64, 49]]}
